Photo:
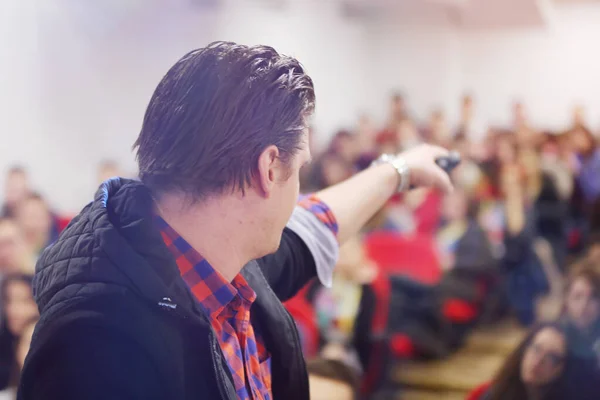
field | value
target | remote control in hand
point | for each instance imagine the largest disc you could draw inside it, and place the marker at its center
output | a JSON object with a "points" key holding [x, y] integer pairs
{"points": [[449, 162]]}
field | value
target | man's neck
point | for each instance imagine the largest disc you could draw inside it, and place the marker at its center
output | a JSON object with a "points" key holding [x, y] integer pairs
{"points": [[215, 228]]}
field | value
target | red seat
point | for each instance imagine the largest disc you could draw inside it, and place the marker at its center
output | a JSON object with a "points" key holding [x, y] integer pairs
{"points": [[479, 392], [414, 256], [427, 215], [62, 222], [304, 316]]}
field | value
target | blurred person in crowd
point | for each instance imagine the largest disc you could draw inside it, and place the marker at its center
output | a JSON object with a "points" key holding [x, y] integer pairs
{"points": [[18, 309], [203, 249], [346, 315], [578, 118], [407, 134], [366, 136], [553, 163], [21, 349], [387, 139], [16, 189], [15, 255], [469, 124], [398, 110], [331, 380], [344, 332], [437, 130], [525, 274], [469, 176], [24, 342], [37, 222], [524, 134], [519, 116], [345, 145], [581, 308], [538, 369], [586, 147], [550, 207], [107, 169], [461, 240], [328, 169], [468, 258]]}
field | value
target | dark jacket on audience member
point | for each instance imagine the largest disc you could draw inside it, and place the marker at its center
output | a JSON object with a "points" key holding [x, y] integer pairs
{"points": [[118, 322]]}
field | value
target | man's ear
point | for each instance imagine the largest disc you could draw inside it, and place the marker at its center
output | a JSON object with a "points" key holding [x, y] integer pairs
{"points": [[269, 170]]}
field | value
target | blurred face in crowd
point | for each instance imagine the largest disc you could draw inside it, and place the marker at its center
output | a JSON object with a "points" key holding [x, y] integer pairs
{"points": [[329, 389], [467, 108], [505, 151], [578, 115], [438, 127], [407, 134], [544, 358], [397, 108], [582, 304], [530, 161], [335, 170], [16, 187], [519, 115], [108, 170], [511, 179], [346, 146], [20, 306], [34, 218], [12, 247], [581, 141], [365, 133], [24, 343]]}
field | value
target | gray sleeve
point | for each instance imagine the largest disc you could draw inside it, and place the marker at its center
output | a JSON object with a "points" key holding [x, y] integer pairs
{"points": [[319, 239]]}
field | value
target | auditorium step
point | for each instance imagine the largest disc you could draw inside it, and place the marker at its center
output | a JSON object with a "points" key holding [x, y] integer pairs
{"points": [[455, 376]]}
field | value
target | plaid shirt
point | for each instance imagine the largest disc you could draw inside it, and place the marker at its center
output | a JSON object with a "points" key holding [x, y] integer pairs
{"points": [[228, 307]]}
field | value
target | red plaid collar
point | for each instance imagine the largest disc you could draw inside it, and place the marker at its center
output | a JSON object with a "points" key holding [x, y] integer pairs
{"points": [[208, 286]]}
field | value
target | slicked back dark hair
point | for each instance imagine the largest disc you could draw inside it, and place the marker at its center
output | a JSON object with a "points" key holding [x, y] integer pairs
{"points": [[215, 112]]}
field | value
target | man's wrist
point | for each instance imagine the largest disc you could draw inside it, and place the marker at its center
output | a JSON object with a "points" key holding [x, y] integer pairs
{"points": [[401, 168]]}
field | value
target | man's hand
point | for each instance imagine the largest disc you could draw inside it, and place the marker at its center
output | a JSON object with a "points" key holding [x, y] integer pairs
{"points": [[424, 172], [356, 200]]}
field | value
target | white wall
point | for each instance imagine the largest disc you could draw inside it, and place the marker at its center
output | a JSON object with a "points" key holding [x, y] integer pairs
{"points": [[81, 74], [551, 69], [421, 61]]}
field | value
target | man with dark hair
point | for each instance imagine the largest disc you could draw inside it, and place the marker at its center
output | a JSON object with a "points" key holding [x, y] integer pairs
{"points": [[171, 287]]}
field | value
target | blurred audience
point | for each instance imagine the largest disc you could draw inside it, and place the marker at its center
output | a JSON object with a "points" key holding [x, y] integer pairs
{"points": [[526, 204]]}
